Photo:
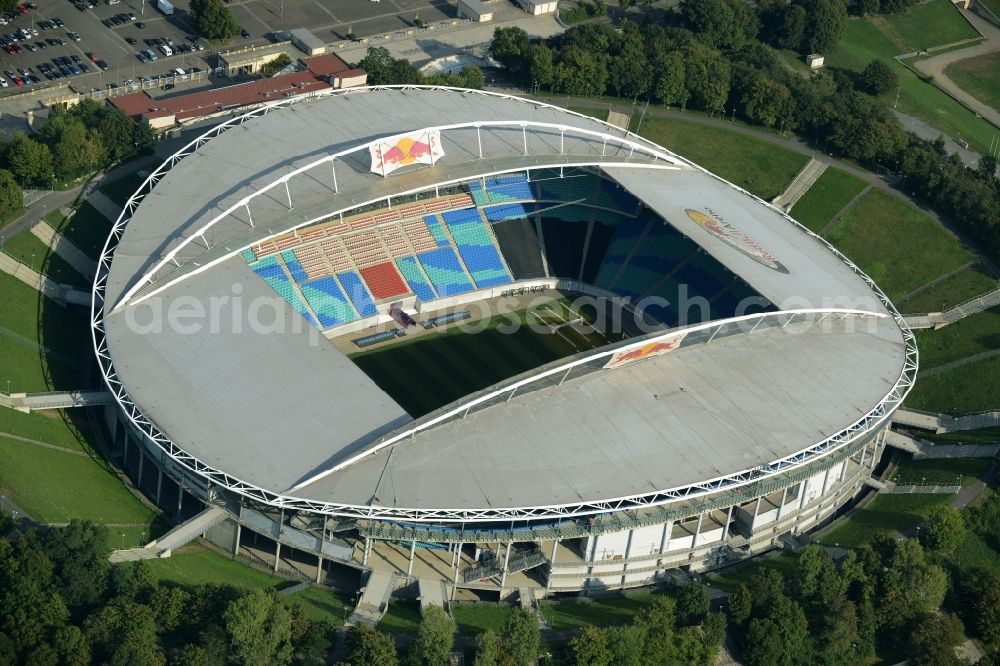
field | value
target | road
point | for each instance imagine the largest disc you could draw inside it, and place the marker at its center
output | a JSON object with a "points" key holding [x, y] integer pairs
{"points": [[936, 65]]}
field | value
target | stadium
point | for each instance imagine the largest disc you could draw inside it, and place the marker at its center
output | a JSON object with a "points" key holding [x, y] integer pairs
{"points": [[458, 341]]}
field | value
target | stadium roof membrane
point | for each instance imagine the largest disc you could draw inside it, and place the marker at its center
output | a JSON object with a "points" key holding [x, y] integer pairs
{"points": [[275, 409]]}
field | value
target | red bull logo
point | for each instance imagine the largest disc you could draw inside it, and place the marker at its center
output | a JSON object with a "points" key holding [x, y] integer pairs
{"points": [[735, 237], [422, 148], [648, 350]]}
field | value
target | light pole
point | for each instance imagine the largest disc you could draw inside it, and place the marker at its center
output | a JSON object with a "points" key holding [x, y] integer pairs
{"points": [[123, 541]]}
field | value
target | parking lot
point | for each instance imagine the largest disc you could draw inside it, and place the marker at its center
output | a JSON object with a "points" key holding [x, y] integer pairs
{"points": [[330, 21]]}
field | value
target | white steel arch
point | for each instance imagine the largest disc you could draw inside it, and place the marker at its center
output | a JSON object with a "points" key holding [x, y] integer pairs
{"points": [[876, 417]]}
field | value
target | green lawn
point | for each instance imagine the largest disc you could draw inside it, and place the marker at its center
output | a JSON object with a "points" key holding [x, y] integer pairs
{"points": [[30, 251], [598, 611], [120, 190], [472, 619], [730, 578], [924, 25], [756, 165], [50, 426], [980, 77], [865, 41], [941, 470], [980, 436], [55, 487], [828, 195], [322, 604], [28, 322], [403, 617], [975, 553], [972, 335], [970, 388], [600, 114], [971, 282], [86, 228], [885, 513], [196, 565], [896, 244]]}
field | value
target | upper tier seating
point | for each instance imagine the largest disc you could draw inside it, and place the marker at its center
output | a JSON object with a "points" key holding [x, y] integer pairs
{"points": [[658, 253], [445, 272], [269, 268], [327, 300], [357, 292], [519, 244], [477, 248], [415, 279]]}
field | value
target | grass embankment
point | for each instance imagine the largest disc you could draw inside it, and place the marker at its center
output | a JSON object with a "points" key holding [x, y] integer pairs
{"points": [[979, 76], [968, 283], [833, 190]]}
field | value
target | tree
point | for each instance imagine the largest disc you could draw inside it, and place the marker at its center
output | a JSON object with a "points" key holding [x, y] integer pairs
{"points": [[509, 47], [435, 638], [260, 628], [658, 623], [670, 87], [29, 160], [541, 66], [626, 644], [739, 604], [826, 23], [213, 19], [124, 632], [489, 650], [767, 102], [933, 640], [78, 150], [945, 529], [370, 647], [708, 82], [522, 637], [580, 72], [725, 24], [793, 27], [692, 604], [590, 648], [986, 609], [878, 77], [11, 197], [72, 646]]}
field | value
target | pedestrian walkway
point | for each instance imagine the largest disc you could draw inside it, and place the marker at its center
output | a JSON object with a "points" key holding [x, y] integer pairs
{"points": [[179, 536], [61, 294], [975, 358], [845, 210], [432, 593], [800, 185], [374, 600], [938, 319], [65, 248], [104, 205]]}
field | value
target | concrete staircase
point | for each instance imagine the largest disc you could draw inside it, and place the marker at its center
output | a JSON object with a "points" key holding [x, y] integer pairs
{"points": [[957, 313], [182, 534], [374, 600], [30, 402], [810, 174], [65, 248]]}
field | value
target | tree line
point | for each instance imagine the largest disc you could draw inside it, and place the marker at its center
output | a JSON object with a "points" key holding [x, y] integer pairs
{"points": [[72, 143], [719, 57]]}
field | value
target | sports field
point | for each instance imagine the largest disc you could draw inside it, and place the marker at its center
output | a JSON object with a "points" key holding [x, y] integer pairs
{"points": [[432, 370]]}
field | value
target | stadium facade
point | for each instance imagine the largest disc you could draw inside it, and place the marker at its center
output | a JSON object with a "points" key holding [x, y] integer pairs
{"points": [[707, 437]]}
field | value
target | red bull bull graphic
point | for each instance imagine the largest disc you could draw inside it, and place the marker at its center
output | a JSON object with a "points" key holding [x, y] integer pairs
{"points": [[648, 350], [417, 148], [735, 238]]}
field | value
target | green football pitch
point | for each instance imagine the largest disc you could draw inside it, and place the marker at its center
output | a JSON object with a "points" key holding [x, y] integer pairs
{"points": [[429, 371]]}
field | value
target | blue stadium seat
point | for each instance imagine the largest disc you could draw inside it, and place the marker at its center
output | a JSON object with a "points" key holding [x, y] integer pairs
{"points": [[509, 187], [270, 270], [248, 255], [358, 293], [658, 253], [328, 302], [434, 224], [415, 279], [477, 248], [503, 212], [445, 272], [294, 267]]}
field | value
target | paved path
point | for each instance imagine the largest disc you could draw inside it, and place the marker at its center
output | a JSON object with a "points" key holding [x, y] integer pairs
{"points": [[925, 131], [65, 248], [104, 205], [975, 358], [936, 65], [30, 277], [44, 445], [973, 490]]}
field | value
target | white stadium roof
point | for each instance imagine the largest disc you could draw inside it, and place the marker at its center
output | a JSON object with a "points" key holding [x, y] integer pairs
{"points": [[276, 411]]}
